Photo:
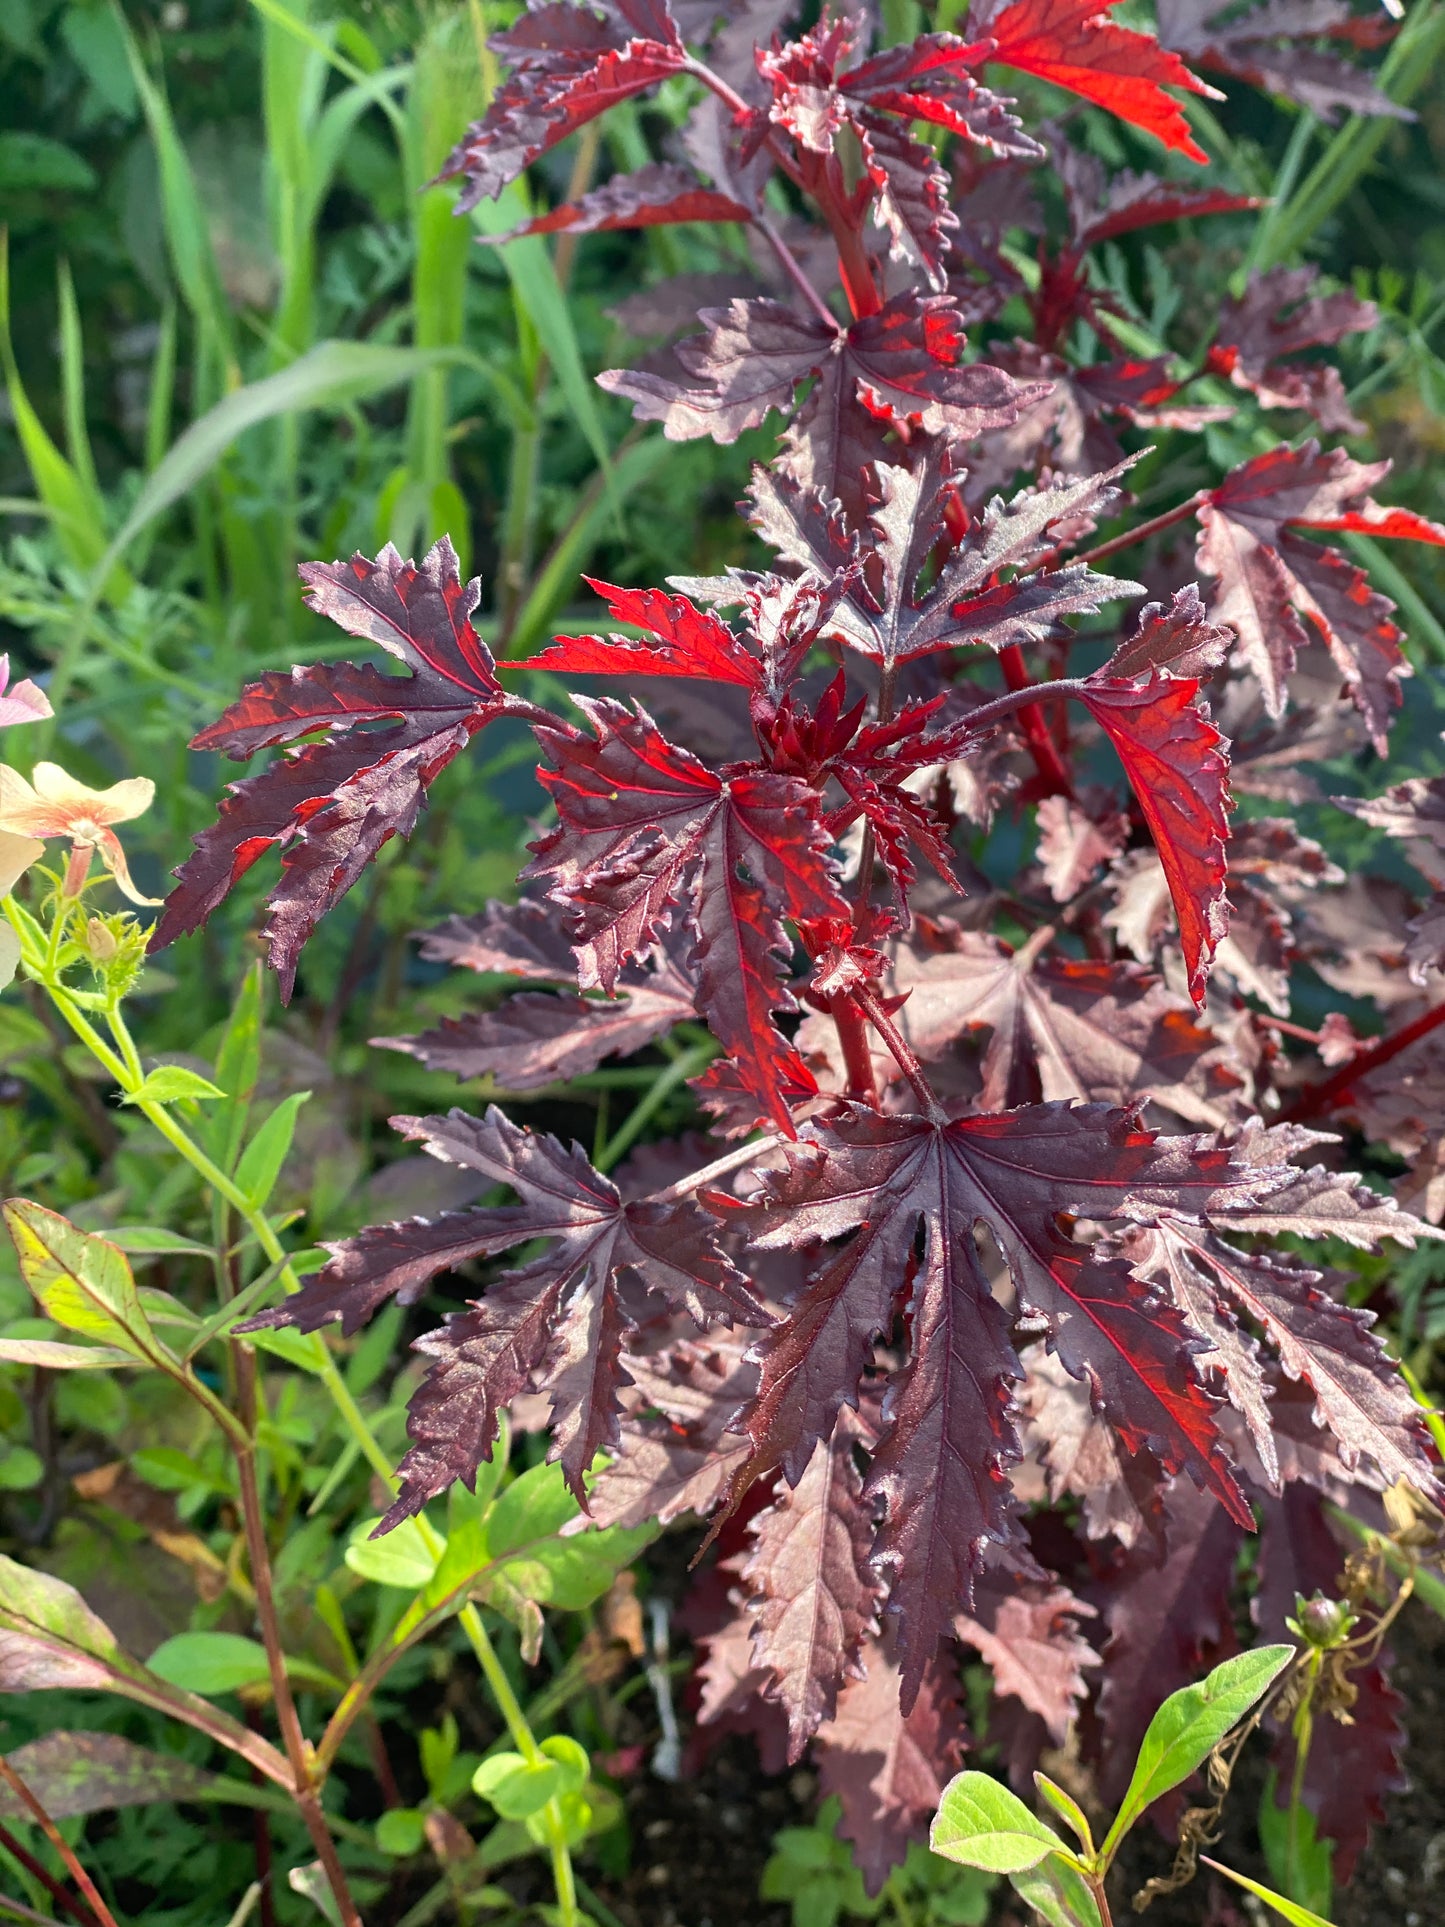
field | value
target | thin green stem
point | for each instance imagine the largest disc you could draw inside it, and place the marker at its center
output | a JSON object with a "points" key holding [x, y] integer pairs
{"points": [[677, 1072]]}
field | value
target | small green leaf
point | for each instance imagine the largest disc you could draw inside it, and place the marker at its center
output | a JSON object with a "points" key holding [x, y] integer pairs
{"points": [[263, 1157], [517, 1789], [1289, 1910], [981, 1824], [1059, 1893], [1067, 1808], [402, 1559], [401, 1832], [210, 1663], [1190, 1724], [145, 1240], [571, 1757], [21, 1470], [169, 1084]]}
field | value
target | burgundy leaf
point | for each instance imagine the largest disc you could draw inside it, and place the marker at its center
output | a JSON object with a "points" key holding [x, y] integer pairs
{"points": [[1284, 47], [811, 1594], [675, 1453], [1080, 1453], [659, 195], [1270, 578], [332, 805], [1062, 1029], [941, 1461], [558, 1323], [1178, 767], [931, 79], [1278, 316], [1142, 200], [1165, 1623], [572, 65], [1178, 639], [643, 825], [889, 1768], [689, 642], [1027, 1633]]}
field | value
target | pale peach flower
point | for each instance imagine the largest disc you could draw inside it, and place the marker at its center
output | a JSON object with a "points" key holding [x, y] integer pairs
{"points": [[53, 804]]}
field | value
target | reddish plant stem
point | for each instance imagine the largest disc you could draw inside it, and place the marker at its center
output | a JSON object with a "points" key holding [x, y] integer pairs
{"points": [[1318, 1097], [59, 1894], [792, 267], [902, 1050], [853, 1037], [82, 1879], [1045, 751], [1179, 513], [261, 1840]]}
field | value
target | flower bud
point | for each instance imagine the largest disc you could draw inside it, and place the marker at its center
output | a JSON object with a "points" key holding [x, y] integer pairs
{"points": [[101, 943], [1322, 1622]]}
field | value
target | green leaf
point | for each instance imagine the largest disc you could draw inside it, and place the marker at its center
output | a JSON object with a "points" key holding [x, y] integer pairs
{"points": [[1059, 1893], [31, 162], [263, 1157], [145, 1240], [311, 1883], [982, 1824], [401, 1832], [84, 1283], [536, 1554], [210, 1663], [1190, 1724], [401, 1559], [170, 1470], [1298, 1859], [170, 1084], [21, 1470], [333, 374], [518, 1789], [53, 1356], [1067, 1808], [1289, 1910]]}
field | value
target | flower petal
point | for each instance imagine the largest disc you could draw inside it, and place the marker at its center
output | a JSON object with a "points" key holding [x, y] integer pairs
{"points": [[115, 805], [24, 813], [9, 954], [17, 853], [25, 703], [113, 857]]}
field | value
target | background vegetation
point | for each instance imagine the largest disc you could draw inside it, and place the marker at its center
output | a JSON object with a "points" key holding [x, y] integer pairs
{"points": [[239, 331]]}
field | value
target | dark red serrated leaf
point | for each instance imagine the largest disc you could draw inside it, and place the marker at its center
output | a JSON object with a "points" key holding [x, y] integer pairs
{"points": [[1027, 1634], [1062, 1029], [1165, 1622], [643, 826], [532, 1039], [1269, 578], [689, 642], [950, 1434], [675, 1453], [1075, 44], [811, 1595], [1283, 47], [931, 79], [572, 65], [556, 1324], [901, 363], [332, 805], [520, 939], [911, 192], [1080, 1454], [1143, 200], [659, 195], [1277, 315], [1178, 768], [888, 1768], [1179, 639]]}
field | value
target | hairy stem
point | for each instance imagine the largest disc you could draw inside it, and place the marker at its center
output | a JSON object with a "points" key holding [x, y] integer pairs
{"points": [[721, 1167], [853, 1039], [793, 268], [1316, 1098], [903, 1052]]}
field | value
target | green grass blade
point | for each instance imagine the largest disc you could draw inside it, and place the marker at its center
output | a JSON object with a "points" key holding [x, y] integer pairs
{"points": [[188, 233], [535, 284], [72, 383], [330, 375], [74, 505], [162, 390]]}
